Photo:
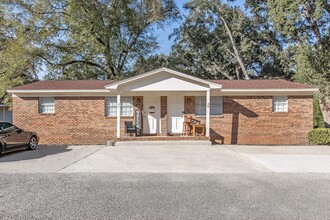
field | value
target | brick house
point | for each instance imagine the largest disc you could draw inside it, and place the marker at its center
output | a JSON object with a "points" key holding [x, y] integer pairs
{"points": [[233, 111]]}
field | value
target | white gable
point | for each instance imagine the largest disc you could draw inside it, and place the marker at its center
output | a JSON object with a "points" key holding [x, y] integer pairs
{"points": [[163, 80]]}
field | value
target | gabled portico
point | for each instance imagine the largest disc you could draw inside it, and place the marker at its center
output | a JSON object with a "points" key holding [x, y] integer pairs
{"points": [[163, 91]]}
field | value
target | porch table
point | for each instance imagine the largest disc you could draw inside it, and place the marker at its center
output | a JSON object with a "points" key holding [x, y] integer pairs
{"points": [[199, 126]]}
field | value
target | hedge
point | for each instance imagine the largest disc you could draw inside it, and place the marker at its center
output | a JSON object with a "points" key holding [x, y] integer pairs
{"points": [[319, 136]]}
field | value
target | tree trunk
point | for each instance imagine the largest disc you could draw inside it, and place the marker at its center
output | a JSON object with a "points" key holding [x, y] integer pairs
{"points": [[110, 69], [309, 10], [237, 72], [236, 52]]}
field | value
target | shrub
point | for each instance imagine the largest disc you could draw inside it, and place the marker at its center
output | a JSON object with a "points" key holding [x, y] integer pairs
{"points": [[319, 136], [318, 117]]}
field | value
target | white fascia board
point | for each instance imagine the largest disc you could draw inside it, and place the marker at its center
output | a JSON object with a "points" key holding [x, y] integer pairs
{"points": [[45, 93], [183, 75], [271, 90], [57, 91], [260, 92]]}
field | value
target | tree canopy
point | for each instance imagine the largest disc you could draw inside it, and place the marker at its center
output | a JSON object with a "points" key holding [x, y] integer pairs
{"points": [[114, 39]]}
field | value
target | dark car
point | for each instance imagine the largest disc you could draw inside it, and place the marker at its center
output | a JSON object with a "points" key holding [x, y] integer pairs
{"points": [[12, 138]]}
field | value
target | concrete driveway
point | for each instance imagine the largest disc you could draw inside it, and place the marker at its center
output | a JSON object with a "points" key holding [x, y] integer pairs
{"points": [[44, 159], [166, 159], [288, 159], [169, 159]]}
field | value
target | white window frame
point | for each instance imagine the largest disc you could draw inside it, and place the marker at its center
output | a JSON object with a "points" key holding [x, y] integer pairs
{"points": [[126, 106], [46, 105], [280, 104], [216, 105]]}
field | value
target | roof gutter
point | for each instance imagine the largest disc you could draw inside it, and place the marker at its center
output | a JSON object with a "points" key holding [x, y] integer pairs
{"points": [[58, 91], [272, 90]]}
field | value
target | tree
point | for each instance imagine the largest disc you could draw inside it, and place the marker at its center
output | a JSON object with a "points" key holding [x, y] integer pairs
{"points": [[143, 65], [218, 40], [18, 61], [305, 25], [93, 39], [302, 21]]}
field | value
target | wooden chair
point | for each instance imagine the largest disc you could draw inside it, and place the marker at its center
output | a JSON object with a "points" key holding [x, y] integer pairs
{"points": [[187, 125]]}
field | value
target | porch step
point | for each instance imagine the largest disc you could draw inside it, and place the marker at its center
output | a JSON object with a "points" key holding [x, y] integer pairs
{"points": [[163, 142]]}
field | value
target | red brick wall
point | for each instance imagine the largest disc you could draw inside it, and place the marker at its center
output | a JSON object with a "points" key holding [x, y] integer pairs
{"points": [[250, 120], [77, 120], [245, 120], [189, 105]]}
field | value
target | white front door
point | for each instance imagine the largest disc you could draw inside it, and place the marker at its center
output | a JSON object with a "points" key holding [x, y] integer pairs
{"points": [[151, 115], [175, 108]]}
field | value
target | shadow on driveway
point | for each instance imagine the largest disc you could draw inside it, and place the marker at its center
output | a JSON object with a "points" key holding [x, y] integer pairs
{"points": [[40, 152]]}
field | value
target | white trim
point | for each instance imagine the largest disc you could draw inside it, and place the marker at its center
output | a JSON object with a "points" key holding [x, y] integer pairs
{"points": [[57, 91], [118, 115], [208, 113], [272, 90], [115, 85]]}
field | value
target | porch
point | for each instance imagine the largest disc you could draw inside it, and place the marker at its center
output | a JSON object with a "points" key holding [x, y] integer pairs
{"points": [[161, 99]]}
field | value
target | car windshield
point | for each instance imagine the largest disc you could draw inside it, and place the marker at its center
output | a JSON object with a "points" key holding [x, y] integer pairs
{"points": [[6, 127]]}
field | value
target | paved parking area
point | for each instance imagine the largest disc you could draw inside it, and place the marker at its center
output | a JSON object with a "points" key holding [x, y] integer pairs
{"points": [[164, 196], [169, 159]]}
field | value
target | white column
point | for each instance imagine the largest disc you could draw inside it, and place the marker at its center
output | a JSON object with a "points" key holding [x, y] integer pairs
{"points": [[118, 115], [208, 113]]}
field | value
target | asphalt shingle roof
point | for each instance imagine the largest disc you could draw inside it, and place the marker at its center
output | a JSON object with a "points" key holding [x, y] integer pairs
{"points": [[100, 84]]}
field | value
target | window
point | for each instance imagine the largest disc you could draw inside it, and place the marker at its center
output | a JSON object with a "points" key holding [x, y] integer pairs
{"points": [[46, 105], [111, 106], [280, 103], [126, 106], [215, 105]]}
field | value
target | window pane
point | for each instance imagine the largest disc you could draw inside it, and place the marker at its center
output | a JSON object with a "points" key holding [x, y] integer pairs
{"points": [[111, 106], [47, 105], [127, 106], [215, 105], [280, 104], [200, 105]]}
